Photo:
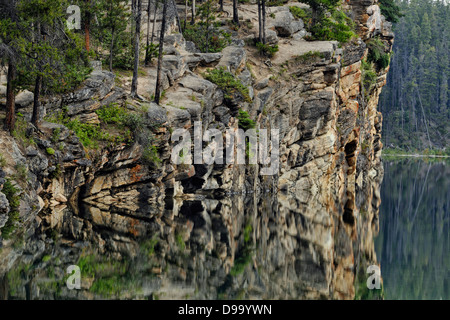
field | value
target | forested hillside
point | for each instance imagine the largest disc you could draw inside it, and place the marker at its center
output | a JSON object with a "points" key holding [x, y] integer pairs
{"points": [[415, 102]]}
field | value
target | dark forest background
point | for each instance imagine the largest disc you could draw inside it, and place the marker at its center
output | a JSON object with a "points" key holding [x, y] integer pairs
{"points": [[415, 102]]}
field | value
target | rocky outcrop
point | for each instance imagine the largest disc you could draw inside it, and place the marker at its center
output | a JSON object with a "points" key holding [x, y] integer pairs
{"points": [[209, 244]]}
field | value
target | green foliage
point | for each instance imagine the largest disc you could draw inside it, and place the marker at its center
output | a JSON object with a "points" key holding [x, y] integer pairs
{"points": [[227, 82], [20, 131], [12, 194], [299, 13], [326, 22], [377, 54], [150, 156], [369, 76], [247, 233], [205, 33], [390, 10], [58, 56], [112, 113], [56, 134], [245, 122], [113, 17], [337, 27], [152, 51], [180, 242], [415, 101], [89, 134], [309, 56], [276, 3], [267, 49], [2, 160], [50, 151], [148, 246]]}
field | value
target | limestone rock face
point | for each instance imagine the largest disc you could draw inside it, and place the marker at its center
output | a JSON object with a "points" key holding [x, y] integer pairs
{"points": [[213, 220]]}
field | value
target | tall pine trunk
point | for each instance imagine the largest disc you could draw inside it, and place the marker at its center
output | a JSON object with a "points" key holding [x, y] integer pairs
{"points": [[35, 119], [235, 12], [263, 13], [259, 21], [161, 44], [87, 26], [193, 12], [177, 16], [137, 36], [10, 98], [154, 21], [147, 55], [111, 49]]}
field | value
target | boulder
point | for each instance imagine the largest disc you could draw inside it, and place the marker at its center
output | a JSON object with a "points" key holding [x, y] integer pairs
{"points": [[285, 24], [233, 59], [271, 37]]}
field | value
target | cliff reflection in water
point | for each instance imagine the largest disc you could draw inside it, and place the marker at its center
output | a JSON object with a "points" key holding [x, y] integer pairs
{"points": [[301, 246]]}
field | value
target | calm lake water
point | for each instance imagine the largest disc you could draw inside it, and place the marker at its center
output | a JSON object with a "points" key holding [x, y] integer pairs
{"points": [[413, 245]]}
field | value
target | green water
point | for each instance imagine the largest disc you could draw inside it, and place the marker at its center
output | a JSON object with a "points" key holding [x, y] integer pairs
{"points": [[413, 245]]}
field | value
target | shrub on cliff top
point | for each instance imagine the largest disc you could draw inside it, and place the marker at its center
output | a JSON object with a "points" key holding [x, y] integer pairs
{"points": [[227, 82]]}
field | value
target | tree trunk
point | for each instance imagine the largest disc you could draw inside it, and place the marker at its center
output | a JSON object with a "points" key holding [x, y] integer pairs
{"points": [[161, 44], [185, 14], [193, 12], [221, 6], [235, 12], [137, 35], [111, 51], [10, 99], [87, 26], [147, 57], [263, 13], [177, 16], [259, 21], [35, 119], [154, 21]]}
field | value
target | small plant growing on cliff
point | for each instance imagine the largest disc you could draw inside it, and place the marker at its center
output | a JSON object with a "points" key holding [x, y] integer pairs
{"points": [[245, 122], [13, 197], [377, 54], [369, 76], [112, 113], [227, 82], [2, 161], [150, 156], [267, 49], [50, 151], [309, 56]]}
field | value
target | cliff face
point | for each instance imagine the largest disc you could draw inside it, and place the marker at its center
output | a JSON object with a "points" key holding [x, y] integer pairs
{"points": [[306, 232]]}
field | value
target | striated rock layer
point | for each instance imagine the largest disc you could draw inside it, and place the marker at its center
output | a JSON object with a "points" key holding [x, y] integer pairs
{"points": [[305, 232]]}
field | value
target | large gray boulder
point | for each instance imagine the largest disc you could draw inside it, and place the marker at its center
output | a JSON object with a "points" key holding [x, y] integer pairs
{"points": [[233, 59], [285, 24]]}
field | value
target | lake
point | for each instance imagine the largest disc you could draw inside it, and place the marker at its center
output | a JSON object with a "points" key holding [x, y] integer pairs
{"points": [[413, 245]]}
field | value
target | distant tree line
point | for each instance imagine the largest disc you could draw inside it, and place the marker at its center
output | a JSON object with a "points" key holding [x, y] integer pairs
{"points": [[415, 102]]}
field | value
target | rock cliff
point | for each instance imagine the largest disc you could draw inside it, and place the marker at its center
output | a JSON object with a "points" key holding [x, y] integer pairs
{"points": [[209, 231]]}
